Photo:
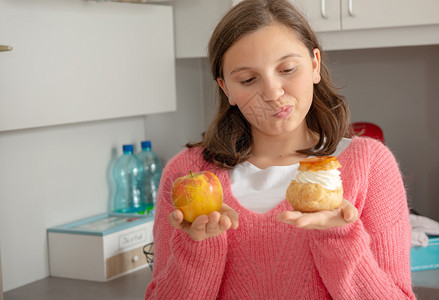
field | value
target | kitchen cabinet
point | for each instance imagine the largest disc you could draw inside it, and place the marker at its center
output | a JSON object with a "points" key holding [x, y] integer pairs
{"points": [[79, 61], [195, 21], [360, 14], [334, 15], [322, 15], [340, 24]]}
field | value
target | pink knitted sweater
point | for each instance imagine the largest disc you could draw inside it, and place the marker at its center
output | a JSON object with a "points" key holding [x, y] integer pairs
{"points": [[267, 259]]}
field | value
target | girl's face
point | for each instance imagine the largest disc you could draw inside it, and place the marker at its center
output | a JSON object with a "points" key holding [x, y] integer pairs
{"points": [[270, 74]]}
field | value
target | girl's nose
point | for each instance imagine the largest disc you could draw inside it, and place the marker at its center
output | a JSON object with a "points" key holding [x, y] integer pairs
{"points": [[272, 89]]}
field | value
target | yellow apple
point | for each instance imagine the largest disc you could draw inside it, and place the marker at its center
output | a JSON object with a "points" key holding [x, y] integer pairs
{"points": [[197, 194]]}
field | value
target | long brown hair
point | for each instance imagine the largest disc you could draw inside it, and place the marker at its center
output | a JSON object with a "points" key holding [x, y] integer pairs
{"points": [[228, 140]]}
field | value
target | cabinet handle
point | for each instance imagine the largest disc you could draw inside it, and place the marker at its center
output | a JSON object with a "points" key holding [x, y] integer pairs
{"points": [[323, 9], [5, 48], [351, 8]]}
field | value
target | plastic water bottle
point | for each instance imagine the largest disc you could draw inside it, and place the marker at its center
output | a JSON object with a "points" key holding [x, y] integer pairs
{"points": [[152, 170], [128, 176]]}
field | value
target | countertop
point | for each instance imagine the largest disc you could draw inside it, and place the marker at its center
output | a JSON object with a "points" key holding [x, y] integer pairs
{"points": [[132, 287], [128, 287]]}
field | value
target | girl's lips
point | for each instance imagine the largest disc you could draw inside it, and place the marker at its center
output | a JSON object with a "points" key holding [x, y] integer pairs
{"points": [[283, 112]]}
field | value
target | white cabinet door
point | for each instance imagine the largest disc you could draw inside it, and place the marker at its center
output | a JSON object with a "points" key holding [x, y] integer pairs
{"points": [[75, 61], [362, 14], [342, 24], [333, 15], [196, 19], [322, 15]]}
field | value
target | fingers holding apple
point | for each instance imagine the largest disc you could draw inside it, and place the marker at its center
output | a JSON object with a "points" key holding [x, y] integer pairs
{"points": [[200, 212], [229, 217], [197, 194], [206, 226], [213, 224]]}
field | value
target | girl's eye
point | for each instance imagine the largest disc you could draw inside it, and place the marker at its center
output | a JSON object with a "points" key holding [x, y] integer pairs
{"points": [[248, 81], [289, 70]]}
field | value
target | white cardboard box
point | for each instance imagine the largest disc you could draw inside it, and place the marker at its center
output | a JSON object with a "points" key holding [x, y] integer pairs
{"points": [[99, 248]]}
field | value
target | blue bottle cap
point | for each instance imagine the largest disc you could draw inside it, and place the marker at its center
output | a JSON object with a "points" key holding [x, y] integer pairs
{"points": [[146, 145], [128, 148]]}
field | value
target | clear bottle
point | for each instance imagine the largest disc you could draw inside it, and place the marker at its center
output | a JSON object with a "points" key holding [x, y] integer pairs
{"points": [[152, 169], [128, 176]]}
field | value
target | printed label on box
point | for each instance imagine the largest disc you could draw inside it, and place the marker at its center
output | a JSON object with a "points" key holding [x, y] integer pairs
{"points": [[132, 238]]}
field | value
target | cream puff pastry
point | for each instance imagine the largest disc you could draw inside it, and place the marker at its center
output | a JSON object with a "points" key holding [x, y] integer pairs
{"points": [[317, 185]]}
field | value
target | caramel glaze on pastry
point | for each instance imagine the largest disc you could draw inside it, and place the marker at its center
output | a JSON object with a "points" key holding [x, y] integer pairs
{"points": [[317, 185]]}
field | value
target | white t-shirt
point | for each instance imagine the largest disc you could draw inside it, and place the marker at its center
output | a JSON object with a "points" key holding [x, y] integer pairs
{"points": [[260, 190]]}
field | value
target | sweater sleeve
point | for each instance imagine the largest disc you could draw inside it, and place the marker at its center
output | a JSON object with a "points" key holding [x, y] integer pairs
{"points": [[183, 268], [369, 259]]}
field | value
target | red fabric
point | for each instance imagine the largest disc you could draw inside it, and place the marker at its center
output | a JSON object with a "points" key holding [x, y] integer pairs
{"points": [[267, 259], [369, 130]]}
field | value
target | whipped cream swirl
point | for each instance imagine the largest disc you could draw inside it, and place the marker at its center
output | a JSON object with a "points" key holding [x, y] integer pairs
{"points": [[328, 179]]}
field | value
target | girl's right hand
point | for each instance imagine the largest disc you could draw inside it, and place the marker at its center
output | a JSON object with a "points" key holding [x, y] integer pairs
{"points": [[343, 215], [206, 226]]}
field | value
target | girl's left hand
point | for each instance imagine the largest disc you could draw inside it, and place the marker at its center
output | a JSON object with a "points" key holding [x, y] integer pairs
{"points": [[345, 214]]}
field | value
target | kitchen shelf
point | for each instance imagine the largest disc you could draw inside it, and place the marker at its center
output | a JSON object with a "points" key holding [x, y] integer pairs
{"points": [[99, 61]]}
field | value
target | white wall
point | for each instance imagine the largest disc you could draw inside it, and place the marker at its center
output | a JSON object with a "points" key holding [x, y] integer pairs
{"points": [[50, 176], [170, 132]]}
